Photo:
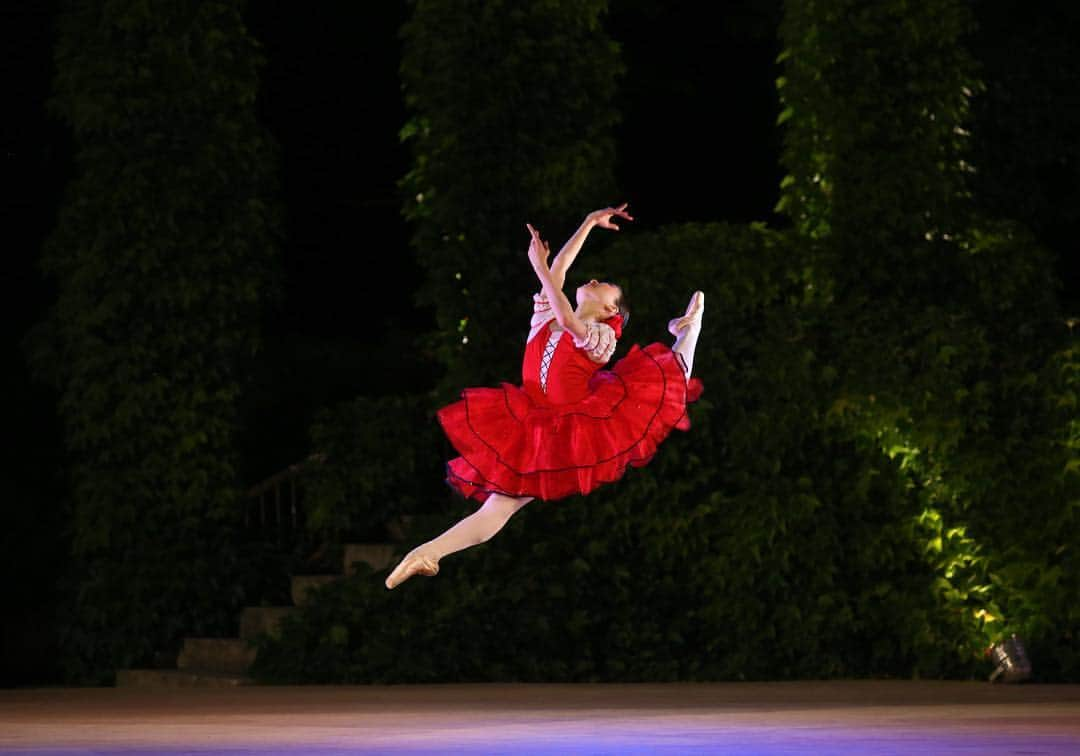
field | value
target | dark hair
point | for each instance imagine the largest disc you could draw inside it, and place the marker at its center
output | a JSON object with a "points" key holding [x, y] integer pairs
{"points": [[624, 310]]}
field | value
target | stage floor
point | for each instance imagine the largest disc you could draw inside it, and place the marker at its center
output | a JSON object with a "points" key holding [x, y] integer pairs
{"points": [[834, 717]]}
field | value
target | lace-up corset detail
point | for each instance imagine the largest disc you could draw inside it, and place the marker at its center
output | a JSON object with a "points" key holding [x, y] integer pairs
{"points": [[545, 361], [557, 365]]}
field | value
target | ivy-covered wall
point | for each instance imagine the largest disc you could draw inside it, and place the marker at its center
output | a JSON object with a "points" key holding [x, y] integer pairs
{"points": [[882, 476], [758, 545], [512, 110], [953, 354], [163, 256]]}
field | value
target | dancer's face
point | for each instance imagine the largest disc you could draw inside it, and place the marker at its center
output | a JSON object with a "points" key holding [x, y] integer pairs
{"points": [[605, 294]]}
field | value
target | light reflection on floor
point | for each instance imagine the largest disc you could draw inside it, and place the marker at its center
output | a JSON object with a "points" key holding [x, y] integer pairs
{"points": [[840, 717]]}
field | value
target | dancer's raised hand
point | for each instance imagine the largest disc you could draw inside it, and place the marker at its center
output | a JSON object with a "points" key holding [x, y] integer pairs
{"points": [[602, 218], [539, 251]]}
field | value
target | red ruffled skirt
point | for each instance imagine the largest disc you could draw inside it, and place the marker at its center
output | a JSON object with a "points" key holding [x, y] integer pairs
{"points": [[512, 444]]}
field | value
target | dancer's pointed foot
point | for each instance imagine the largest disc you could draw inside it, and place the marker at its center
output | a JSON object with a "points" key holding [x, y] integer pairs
{"points": [[693, 314], [413, 564]]}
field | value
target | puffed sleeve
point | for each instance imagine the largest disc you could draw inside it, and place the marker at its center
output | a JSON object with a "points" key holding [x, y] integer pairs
{"points": [[542, 313], [599, 341]]}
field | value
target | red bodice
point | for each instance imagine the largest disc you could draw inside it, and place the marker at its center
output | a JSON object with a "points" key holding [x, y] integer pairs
{"points": [[568, 372], [569, 429]]}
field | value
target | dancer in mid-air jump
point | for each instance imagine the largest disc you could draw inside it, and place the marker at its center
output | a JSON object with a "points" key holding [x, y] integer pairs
{"points": [[570, 426]]}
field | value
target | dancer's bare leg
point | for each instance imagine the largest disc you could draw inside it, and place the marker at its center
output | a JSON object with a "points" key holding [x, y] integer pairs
{"points": [[686, 330], [469, 531]]}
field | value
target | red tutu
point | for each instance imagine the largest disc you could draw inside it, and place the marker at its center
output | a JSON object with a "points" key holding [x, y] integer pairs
{"points": [[514, 440]]}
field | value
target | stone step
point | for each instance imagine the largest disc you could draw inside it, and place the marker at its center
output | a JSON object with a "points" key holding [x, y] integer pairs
{"points": [[260, 620], [302, 585], [227, 655], [378, 556], [178, 678]]}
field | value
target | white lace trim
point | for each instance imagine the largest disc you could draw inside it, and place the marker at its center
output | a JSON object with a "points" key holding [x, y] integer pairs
{"points": [[542, 313], [599, 341]]}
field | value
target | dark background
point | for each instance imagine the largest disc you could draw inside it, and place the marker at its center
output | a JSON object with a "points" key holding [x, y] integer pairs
{"points": [[698, 141]]}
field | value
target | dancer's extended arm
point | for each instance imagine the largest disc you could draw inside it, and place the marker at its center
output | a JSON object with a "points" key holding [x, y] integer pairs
{"points": [[569, 252], [564, 313]]}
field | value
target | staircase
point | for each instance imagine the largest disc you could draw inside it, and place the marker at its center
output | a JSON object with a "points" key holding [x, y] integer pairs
{"points": [[224, 662]]}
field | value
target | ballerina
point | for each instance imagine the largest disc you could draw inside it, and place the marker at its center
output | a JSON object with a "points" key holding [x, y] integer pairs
{"points": [[570, 426]]}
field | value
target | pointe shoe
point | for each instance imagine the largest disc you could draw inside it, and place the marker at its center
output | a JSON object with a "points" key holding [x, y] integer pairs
{"points": [[412, 564], [693, 314]]}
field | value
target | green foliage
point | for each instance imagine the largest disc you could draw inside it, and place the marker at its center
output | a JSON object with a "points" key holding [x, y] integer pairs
{"points": [[881, 478], [384, 456], [874, 99], [512, 112], [1039, 567], [755, 546], [942, 322], [163, 256]]}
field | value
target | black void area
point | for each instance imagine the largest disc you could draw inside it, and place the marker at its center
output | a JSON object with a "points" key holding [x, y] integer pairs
{"points": [[35, 166], [1025, 124], [348, 325], [698, 139]]}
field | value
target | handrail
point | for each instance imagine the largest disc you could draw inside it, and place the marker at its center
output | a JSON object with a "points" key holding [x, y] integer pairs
{"points": [[274, 483], [289, 472]]}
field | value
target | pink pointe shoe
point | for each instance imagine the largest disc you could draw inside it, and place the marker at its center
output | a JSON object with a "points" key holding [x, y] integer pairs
{"points": [[412, 564], [693, 314]]}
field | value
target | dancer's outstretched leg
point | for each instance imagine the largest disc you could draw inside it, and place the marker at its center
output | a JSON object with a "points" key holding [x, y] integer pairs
{"points": [[476, 528], [686, 330]]}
